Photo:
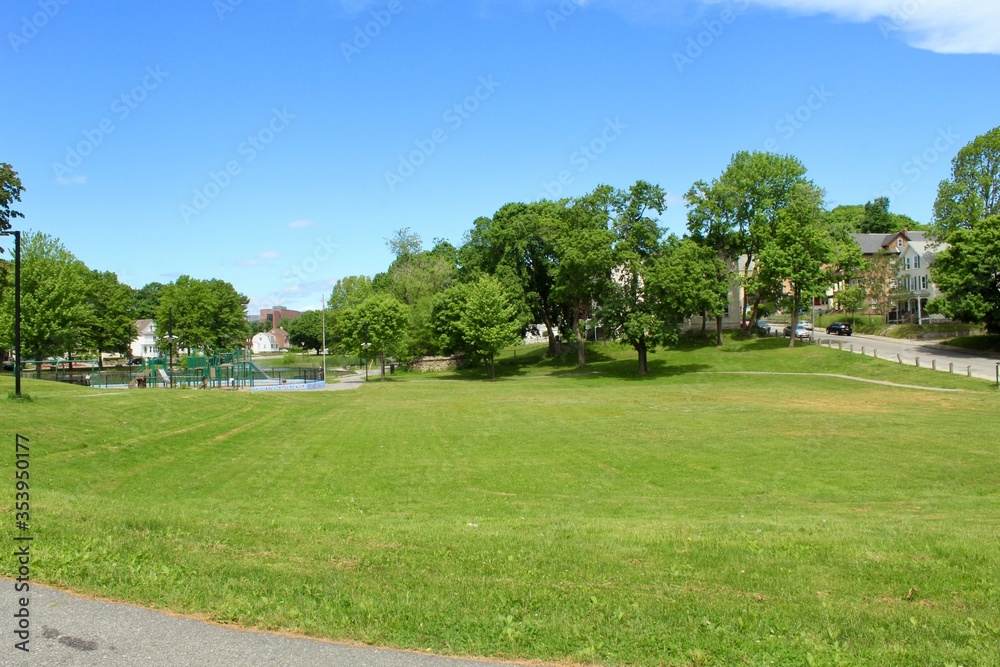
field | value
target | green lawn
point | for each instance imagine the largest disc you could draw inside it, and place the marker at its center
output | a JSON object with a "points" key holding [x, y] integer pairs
{"points": [[689, 518], [984, 343]]}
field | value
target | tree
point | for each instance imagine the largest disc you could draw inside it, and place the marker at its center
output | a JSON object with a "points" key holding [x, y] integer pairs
{"points": [[10, 192], [376, 327], [737, 213], [489, 321], [583, 259], [968, 274], [878, 279], [110, 325], [635, 314], [973, 191], [203, 315], [516, 247], [694, 280], [852, 298], [306, 331], [349, 292], [53, 308], [145, 300], [799, 251], [404, 242], [446, 319]]}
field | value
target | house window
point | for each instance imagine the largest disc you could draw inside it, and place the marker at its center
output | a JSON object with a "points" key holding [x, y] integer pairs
{"points": [[899, 243], [906, 263], [923, 282], [916, 262]]}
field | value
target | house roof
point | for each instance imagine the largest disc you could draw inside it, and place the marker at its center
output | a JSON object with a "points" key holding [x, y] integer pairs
{"points": [[872, 244], [142, 325]]}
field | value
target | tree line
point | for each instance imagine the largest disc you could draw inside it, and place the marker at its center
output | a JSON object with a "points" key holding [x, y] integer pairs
{"points": [[568, 266]]}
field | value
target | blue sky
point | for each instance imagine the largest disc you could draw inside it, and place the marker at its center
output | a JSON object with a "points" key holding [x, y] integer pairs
{"points": [[276, 145]]}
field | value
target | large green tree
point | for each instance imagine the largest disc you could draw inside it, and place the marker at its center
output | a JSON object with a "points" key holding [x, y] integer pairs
{"points": [[631, 308], [583, 259], [446, 319], [968, 274], [146, 299], [203, 315], [516, 246], [737, 213], [54, 311], [10, 192], [489, 321], [306, 331], [110, 325], [800, 252], [694, 280], [375, 329], [972, 193]]}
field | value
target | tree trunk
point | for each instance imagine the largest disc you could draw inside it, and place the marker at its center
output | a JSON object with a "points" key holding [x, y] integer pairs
{"points": [[718, 330], [640, 347], [795, 320], [381, 360], [553, 342], [581, 353], [704, 324], [490, 369]]}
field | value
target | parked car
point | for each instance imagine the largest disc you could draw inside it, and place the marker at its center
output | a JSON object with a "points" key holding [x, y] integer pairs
{"points": [[762, 327], [135, 361], [800, 331], [8, 366], [840, 328]]}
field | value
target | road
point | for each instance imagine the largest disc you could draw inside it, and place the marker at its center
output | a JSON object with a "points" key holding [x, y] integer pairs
{"points": [[910, 350], [73, 631]]}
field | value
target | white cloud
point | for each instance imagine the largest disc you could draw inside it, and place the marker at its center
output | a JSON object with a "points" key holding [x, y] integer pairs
{"points": [[72, 180], [943, 26], [270, 254], [301, 224]]}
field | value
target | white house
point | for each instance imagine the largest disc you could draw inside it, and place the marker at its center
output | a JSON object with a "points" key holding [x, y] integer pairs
{"points": [[915, 263], [265, 342], [144, 345]]}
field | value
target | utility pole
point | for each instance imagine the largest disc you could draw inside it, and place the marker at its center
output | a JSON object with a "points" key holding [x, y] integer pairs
{"points": [[17, 309]]}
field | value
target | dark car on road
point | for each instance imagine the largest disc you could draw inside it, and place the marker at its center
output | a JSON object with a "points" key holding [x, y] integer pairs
{"points": [[840, 329]]}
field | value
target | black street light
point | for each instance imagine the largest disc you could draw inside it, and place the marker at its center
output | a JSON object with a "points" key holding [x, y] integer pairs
{"points": [[17, 309], [366, 344], [170, 343]]}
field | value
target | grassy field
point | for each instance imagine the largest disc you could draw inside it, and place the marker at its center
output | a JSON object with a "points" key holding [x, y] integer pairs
{"points": [[696, 517], [984, 343]]}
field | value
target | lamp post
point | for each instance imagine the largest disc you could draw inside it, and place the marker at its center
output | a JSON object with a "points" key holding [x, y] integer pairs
{"points": [[322, 302], [366, 345], [170, 341], [17, 309]]}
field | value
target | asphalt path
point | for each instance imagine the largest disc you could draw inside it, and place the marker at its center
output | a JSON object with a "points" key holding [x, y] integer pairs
{"points": [[69, 630], [347, 383], [946, 358]]}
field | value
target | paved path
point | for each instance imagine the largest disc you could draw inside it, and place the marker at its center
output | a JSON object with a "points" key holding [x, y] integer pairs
{"points": [[347, 383], [68, 630], [910, 350]]}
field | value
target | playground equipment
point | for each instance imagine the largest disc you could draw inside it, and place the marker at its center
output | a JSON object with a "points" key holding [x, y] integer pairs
{"points": [[230, 370]]}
